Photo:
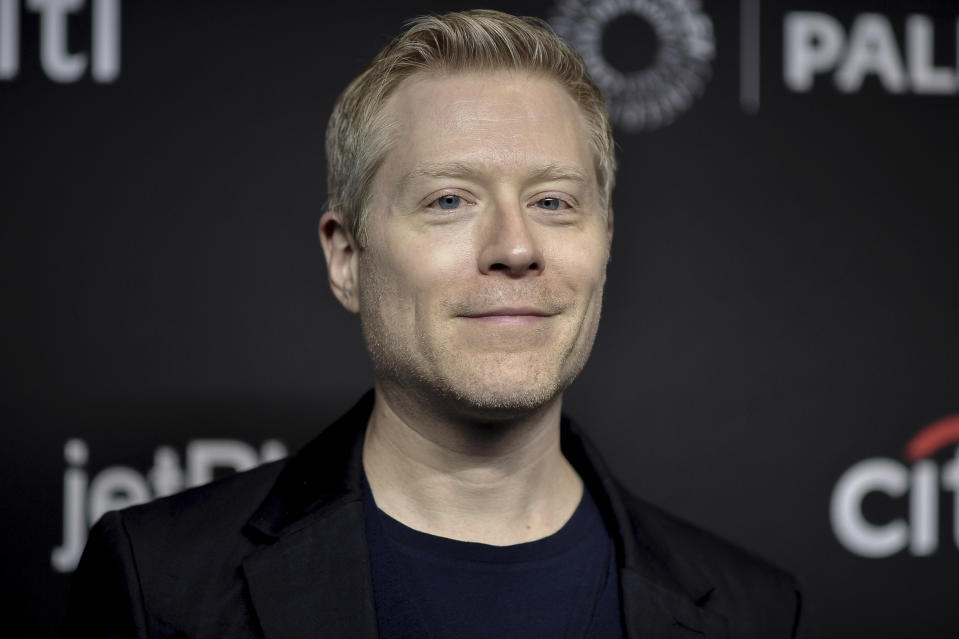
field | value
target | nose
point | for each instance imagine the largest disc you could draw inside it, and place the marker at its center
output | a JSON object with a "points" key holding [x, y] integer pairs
{"points": [[509, 244]]}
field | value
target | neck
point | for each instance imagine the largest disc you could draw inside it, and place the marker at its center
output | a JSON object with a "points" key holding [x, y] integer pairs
{"points": [[497, 482]]}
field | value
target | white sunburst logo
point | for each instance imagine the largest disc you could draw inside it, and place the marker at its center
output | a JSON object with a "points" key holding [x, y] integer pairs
{"points": [[654, 96]]}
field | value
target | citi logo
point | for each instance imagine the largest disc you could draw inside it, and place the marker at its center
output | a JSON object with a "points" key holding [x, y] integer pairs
{"points": [[918, 485], [58, 62]]}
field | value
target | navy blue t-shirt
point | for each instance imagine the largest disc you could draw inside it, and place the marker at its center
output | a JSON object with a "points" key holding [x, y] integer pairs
{"points": [[564, 585]]}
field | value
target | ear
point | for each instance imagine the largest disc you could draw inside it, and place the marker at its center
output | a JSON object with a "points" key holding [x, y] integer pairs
{"points": [[342, 259]]}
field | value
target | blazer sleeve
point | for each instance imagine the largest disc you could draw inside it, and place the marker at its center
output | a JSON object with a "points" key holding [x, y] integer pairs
{"points": [[105, 596]]}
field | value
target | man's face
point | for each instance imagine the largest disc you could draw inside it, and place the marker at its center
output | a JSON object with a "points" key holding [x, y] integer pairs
{"points": [[482, 277]]}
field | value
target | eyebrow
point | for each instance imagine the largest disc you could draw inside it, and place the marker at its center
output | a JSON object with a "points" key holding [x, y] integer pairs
{"points": [[553, 172], [439, 169]]}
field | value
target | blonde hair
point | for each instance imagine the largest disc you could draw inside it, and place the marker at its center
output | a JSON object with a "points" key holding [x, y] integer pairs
{"points": [[357, 136]]}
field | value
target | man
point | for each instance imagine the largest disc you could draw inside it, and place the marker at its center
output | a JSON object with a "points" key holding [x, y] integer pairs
{"points": [[469, 225]]}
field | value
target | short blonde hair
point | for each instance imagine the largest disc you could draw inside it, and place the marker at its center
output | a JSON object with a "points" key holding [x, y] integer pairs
{"points": [[357, 136]]}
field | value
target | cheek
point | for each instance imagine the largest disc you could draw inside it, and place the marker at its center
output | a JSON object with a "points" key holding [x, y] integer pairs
{"points": [[436, 260], [582, 265], [413, 271]]}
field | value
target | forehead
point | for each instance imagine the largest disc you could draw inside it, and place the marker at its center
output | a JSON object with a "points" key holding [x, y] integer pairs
{"points": [[500, 121]]}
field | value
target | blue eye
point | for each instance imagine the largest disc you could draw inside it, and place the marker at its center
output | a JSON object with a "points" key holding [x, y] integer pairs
{"points": [[551, 204], [448, 202]]}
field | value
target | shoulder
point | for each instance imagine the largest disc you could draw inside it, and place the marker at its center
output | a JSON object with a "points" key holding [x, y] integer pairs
{"points": [[216, 510], [196, 531], [681, 541], [176, 566], [750, 592], [171, 563], [195, 539]]}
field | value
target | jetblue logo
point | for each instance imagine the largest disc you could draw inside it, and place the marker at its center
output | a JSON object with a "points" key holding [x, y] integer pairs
{"points": [[86, 498]]}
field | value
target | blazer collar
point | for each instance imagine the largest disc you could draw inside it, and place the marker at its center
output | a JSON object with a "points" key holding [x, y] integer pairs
{"points": [[312, 575]]}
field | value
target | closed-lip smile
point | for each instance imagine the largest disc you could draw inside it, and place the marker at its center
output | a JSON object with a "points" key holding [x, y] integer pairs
{"points": [[509, 315]]}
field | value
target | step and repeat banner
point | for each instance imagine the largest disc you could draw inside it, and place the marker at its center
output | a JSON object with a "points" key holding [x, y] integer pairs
{"points": [[778, 359]]}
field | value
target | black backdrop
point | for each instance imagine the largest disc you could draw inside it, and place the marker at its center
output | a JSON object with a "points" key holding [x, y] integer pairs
{"points": [[781, 303]]}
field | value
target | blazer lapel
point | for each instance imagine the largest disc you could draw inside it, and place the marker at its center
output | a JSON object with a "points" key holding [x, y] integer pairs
{"points": [[656, 602], [311, 576], [315, 582], [651, 611]]}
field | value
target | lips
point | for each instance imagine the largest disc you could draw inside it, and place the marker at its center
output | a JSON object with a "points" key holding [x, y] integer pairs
{"points": [[508, 316], [507, 312]]}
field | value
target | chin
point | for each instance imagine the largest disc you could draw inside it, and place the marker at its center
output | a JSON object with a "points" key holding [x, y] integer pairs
{"points": [[506, 402], [497, 396]]}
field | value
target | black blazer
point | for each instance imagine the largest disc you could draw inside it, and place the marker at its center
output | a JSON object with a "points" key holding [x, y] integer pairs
{"points": [[197, 564]]}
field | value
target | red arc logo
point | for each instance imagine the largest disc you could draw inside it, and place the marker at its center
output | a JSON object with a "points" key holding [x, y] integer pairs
{"points": [[938, 434]]}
